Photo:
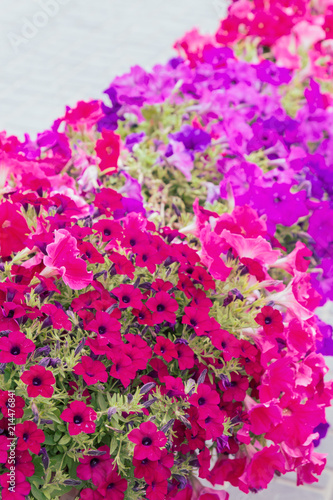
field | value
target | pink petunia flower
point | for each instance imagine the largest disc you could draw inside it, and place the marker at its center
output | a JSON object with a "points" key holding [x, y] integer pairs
{"points": [[62, 259], [80, 417]]}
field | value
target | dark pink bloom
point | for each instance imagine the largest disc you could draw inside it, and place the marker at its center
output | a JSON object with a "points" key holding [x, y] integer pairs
{"points": [[113, 486], [13, 229], [263, 465], [128, 296], [148, 441], [271, 320], [39, 381], [16, 407], [163, 307], [80, 417], [206, 399], [29, 436], [15, 348], [185, 356], [94, 467], [14, 487], [108, 149], [91, 371], [165, 348]]}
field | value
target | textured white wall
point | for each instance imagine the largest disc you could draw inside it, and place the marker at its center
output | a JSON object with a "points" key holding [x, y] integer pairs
{"points": [[56, 52]]}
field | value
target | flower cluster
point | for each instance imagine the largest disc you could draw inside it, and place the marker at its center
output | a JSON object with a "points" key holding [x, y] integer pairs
{"points": [[162, 259]]}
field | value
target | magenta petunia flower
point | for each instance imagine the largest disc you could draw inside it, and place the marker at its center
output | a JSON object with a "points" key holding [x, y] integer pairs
{"points": [[113, 486], [271, 320], [29, 436], [91, 371], [95, 467], [16, 406], [19, 490], [148, 441], [39, 381], [163, 307], [62, 259], [13, 229], [80, 418], [128, 296], [15, 348]]}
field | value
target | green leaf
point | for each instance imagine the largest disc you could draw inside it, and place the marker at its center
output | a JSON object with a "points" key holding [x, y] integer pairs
{"points": [[37, 493], [101, 402], [64, 440]]}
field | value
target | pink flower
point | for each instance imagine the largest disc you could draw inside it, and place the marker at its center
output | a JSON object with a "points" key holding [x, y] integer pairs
{"points": [[39, 381], [91, 371], [148, 441], [163, 307], [62, 259], [15, 348], [29, 436], [80, 417], [13, 229]]}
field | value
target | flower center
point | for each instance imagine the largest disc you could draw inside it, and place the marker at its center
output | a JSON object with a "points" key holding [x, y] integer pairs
{"points": [[162, 350], [94, 462], [15, 350], [201, 401], [268, 321], [110, 486], [132, 242], [77, 419], [101, 330], [107, 232], [36, 381], [147, 441], [126, 299], [25, 436], [160, 308]]}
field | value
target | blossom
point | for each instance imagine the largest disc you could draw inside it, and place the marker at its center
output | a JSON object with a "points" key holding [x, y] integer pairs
{"points": [[94, 467], [148, 441], [62, 258], [165, 348], [21, 486], [271, 320], [39, 381], [91, 371], [80, 417], [163, 307], [15, 348], [107, 149], [128, 296], [13, 229], [113, 486], [29, 436], [16, 404]]}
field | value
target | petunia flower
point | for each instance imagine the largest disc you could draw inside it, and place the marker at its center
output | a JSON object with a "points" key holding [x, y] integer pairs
{"points": [[80, 417], [148, 441], [29, 436], [62, 259], [15, 348], [108, 149], [17, 491], [271, 320], [13, 229], [113, 486], [16, 406], [128, 296], [91, 371], [94, 467], [39, 381], [163, 307]]}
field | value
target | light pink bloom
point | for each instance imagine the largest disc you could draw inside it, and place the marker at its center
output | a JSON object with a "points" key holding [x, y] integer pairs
{"points": [[62, 259]]}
